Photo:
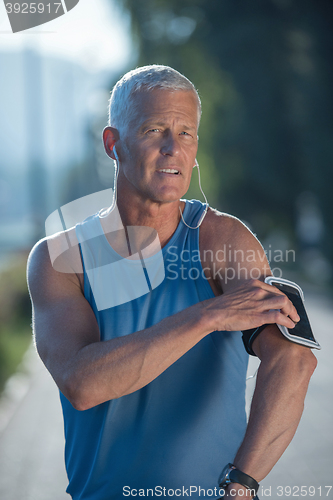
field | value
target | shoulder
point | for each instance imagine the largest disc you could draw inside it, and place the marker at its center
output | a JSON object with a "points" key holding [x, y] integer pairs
{"points": [[53, 260], [222, 228], [55, 251], [231, 250]]}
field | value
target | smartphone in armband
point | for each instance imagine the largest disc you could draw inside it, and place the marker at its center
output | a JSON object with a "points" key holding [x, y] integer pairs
{"points": [[301, 333]]}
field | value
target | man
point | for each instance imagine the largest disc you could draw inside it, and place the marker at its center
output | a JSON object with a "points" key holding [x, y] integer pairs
{"points": [[153, 388]]}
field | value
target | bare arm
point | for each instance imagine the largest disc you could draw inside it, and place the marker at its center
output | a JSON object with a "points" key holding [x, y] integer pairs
{"points": [[282, 379], [277, 404], [88, 371]]}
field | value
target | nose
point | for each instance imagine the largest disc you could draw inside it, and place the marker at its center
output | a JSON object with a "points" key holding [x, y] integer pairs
{"points": [[170, 144]]}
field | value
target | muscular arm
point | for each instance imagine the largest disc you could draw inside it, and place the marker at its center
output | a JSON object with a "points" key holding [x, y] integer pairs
{"points": [[278, 401], [88, 371], [282, 379]]}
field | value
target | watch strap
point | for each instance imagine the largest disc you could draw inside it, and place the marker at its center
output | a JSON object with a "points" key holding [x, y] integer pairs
{"points": [[239, 477], [231, 474]]}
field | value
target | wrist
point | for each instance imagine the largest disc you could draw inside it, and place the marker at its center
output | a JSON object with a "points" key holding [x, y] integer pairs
{"points": [[212, 316], [237, 483], [207, 322]]}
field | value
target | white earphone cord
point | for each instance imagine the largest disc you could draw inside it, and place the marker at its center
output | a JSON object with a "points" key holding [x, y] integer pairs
{"points": [[206, 208], [115, 190]]}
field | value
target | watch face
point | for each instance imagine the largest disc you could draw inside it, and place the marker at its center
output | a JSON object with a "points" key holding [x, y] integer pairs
{"points": [[224, 476]]}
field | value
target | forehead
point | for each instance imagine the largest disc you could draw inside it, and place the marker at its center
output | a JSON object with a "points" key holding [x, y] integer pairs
{"points": [[161, 103]]}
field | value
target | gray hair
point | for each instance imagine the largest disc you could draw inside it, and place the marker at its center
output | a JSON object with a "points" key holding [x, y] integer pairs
{"points": [[144, 78]]}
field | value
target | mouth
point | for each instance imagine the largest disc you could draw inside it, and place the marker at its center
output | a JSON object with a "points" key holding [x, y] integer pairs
{"points": [[169, 171]]}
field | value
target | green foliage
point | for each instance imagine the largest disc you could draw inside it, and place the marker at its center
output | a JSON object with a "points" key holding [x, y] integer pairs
{"points": [[14, 341], [15, 317]]}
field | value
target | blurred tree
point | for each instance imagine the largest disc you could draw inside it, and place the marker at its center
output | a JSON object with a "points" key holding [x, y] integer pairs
{"points": [[263, 72], [15, 316]]}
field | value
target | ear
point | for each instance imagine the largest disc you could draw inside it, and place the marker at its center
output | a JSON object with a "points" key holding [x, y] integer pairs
{"points": [[110, 137]]}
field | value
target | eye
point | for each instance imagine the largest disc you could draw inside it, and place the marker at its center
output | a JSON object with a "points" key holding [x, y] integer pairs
{"points": [[153, 130], [185, 133]]}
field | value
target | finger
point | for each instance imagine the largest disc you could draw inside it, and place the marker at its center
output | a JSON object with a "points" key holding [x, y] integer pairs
{"points": [[293, 314], [290, 310], [275, 316], [285, 306], [266, 287]]}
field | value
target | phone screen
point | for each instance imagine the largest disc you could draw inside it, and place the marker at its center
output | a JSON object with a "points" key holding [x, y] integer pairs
{"points": [[302, 328]]}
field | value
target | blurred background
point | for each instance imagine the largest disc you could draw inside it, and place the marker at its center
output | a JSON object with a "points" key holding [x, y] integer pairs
{"points": [[263, 70], [264, 73]]}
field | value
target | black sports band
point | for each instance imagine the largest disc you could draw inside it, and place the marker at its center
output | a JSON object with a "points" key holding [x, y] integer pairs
{"points": [[249, 336], [231, 474], [239, 477]]}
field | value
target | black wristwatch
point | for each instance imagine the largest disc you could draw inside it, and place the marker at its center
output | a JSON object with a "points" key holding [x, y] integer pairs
{"points": [[232, 475]]}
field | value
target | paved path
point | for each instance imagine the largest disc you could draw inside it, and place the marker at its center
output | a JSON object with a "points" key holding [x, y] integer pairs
{"points": [[31, 441], [308, 461], [31, 432]]}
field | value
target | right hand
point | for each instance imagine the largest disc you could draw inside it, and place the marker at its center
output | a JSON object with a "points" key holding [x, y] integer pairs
{"points": [[250, 305]]}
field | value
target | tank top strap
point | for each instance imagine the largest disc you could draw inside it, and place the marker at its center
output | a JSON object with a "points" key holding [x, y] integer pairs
{"points": [[192, 212]]}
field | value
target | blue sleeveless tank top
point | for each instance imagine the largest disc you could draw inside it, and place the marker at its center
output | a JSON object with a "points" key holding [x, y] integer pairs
{"points": [[174, 435]]}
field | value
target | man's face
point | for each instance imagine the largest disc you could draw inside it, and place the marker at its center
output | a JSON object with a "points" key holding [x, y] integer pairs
{"points": [[157, 152]]}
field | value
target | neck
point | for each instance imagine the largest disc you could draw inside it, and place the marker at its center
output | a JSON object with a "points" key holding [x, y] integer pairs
{"points": [[163, 217]]}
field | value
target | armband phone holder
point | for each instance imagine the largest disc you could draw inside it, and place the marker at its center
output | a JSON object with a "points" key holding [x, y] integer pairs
{"points": [[302, 332]]}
